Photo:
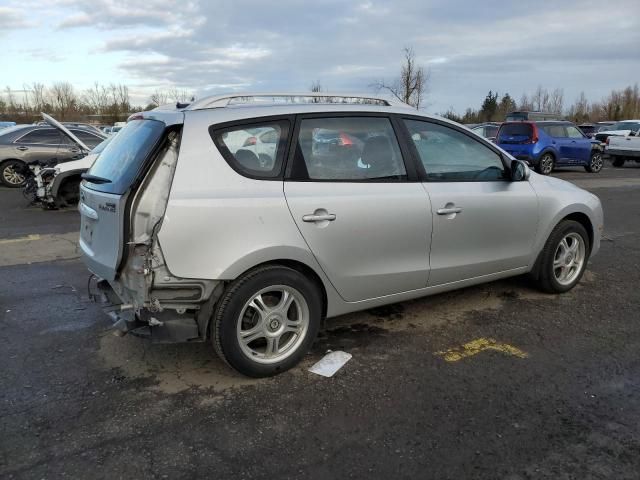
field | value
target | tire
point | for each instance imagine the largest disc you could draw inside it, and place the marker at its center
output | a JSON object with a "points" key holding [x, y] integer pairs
{"points": [[595, 163], [254, 303], [9, 177], [549, 274], [617, 161], [546, 164]]}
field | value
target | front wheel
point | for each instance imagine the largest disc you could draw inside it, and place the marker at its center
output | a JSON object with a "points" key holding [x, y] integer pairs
{"points": [[595, 163], [267, 320], [546, 164], [617, 161], [10, 173], [563, 258]]}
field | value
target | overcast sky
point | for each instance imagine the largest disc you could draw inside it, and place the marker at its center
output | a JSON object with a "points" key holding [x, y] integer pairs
{"points": [[217, 46]]}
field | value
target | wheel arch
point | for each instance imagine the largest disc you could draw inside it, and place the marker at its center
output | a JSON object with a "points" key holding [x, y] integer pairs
{"points": [[64, 177], [584, 220]]}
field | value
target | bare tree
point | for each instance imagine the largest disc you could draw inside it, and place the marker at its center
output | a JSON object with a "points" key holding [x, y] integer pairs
{"points": [[64, 99], [555, 101], [412, 84], [38, 96], [159, 97]]}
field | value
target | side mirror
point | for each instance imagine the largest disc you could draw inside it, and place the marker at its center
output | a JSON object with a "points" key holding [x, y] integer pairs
{"points": [[519, 171]]}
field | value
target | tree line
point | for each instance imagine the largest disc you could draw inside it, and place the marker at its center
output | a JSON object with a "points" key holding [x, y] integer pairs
{"points": [[101, 103], [617, 105], [109, 103]]}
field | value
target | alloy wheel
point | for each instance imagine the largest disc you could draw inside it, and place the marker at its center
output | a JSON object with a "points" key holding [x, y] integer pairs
{"points": [[546, 164], [569, 258], [596, 162], [12, 177], [273, 324]]}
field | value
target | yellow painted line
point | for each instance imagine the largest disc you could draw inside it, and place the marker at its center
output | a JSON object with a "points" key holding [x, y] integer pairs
{"points": [[477, 346], [28, 238]]}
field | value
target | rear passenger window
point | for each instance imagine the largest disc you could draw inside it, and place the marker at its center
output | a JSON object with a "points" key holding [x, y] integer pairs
{"points": [[42, 136], [255, 150], [556, 131], [348, 149]]}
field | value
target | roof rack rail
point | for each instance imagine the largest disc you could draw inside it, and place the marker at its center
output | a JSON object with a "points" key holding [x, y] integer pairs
{"points": [[224, 100]]}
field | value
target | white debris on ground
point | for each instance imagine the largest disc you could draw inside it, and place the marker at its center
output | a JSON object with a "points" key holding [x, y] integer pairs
{"points": [[330, 363]]}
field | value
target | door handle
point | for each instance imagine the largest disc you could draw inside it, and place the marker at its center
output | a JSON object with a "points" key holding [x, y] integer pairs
{"points": [[22, 149], [319, 218], [448, 210]]}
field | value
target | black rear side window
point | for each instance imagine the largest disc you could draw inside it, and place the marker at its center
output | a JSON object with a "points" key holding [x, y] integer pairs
{"points": [[124, 157]]}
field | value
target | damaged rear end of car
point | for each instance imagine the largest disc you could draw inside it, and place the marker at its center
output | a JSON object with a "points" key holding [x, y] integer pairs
{"points": [[122, 203]]}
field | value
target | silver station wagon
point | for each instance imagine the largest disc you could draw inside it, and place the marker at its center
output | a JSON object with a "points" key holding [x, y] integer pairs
{"points": [[248, 219]]}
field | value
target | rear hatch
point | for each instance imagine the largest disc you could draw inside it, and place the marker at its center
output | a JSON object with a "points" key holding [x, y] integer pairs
{"points": [[516, 138], [106, 190]]}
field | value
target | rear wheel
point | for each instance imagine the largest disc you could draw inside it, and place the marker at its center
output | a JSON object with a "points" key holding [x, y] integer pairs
{"points": [[546, 164], [267, 320], [563, 258], [10, 175], [595, 163], [617, 161]]}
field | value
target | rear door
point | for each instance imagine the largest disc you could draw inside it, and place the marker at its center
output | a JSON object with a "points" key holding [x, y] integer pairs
{"points": [[579, 145], [359, 207], [483, 223], [104, 194], [560, 142]]}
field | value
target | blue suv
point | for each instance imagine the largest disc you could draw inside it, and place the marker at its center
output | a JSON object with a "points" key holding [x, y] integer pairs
{"points": [[549, 144]]}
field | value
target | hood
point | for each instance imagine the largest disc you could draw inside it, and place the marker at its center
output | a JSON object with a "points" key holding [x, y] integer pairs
{"points": [[56, 124]]}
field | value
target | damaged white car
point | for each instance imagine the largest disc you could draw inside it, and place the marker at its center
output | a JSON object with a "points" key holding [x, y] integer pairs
{"points": [[57, 184]]}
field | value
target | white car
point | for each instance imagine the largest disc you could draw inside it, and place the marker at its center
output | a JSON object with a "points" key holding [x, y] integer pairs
{"points": [[59, 185], [619, 129], [621, 149]]}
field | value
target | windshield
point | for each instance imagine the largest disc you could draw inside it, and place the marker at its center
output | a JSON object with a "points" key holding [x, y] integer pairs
{"points": [[124, 156], [625, 126]]}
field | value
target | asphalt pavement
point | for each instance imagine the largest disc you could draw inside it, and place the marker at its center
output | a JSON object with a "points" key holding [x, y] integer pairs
{"points": [[494, 381]]}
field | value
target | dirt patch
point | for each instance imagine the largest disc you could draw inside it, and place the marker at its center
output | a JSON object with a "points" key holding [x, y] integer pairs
{"points": [[428, 312], [173, 368]]}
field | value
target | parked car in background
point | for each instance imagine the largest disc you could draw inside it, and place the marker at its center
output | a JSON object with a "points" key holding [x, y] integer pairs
{"points": [[106, 130], [487, 130], [525, 116], [549, 144], [4, 125], [21, 146], [589, 129], [188, 241], [623, 128], [622, 149], [56, 186]]}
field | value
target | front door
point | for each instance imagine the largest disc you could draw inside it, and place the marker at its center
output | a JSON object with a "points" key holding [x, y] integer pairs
{"points": [[368, 226], [483, 223]]}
